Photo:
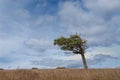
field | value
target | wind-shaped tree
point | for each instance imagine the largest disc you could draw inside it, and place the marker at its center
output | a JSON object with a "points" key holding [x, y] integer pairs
{"points": [[73, 43]]}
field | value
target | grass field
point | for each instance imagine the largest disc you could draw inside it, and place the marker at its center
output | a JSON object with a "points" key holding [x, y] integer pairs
{"points": [[60, 74]]}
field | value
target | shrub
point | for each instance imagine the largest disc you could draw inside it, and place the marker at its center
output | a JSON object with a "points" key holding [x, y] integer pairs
{"points": [[60, 68], [34, 68]]}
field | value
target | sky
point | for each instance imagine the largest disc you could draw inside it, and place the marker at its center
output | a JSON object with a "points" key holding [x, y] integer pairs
{"points": [[28, 29]]}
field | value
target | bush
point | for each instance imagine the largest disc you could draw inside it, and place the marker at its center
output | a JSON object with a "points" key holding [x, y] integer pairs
{"points": [[60, 68], [34, 68]]}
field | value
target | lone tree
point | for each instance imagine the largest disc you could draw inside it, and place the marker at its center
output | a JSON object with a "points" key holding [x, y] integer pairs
{"points": [[73, 43]]}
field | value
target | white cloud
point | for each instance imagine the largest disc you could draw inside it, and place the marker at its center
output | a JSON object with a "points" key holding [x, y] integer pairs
{"points": [[103, 7], [96, 29], [112, 50], [8, 45], [43, 21], [97, 59], [39, 44]]}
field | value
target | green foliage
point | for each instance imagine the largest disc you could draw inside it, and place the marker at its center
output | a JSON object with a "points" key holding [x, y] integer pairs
{"points": [[73, 43]]}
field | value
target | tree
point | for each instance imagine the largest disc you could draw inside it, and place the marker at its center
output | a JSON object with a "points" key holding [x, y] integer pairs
{"points": [[73, 43]]}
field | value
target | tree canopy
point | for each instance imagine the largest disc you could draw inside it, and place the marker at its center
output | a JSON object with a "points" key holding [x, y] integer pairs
{"points": [[73, 43]]}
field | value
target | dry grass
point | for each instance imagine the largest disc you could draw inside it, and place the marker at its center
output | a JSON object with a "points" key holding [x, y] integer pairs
{"points": [[61, 74]]}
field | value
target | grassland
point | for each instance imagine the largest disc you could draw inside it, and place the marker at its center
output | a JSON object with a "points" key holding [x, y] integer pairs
{"points": [[60, 74]]}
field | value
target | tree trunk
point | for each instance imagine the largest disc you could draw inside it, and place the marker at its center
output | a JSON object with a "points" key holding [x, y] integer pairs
{"points": [[84, 61]]}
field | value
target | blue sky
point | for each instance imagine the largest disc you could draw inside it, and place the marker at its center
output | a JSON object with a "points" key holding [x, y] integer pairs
{"points": [[28, 28]]}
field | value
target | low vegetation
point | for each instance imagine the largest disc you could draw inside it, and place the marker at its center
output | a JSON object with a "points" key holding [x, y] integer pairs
{"points": [[60, 68], [61, 74]]}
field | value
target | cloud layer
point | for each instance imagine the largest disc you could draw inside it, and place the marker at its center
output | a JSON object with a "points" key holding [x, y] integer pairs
{"points": [[98, 28], [28, 28], [96, 60]]}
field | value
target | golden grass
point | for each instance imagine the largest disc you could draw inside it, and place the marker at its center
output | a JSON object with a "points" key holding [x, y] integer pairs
{"points": [[61, 74]]}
